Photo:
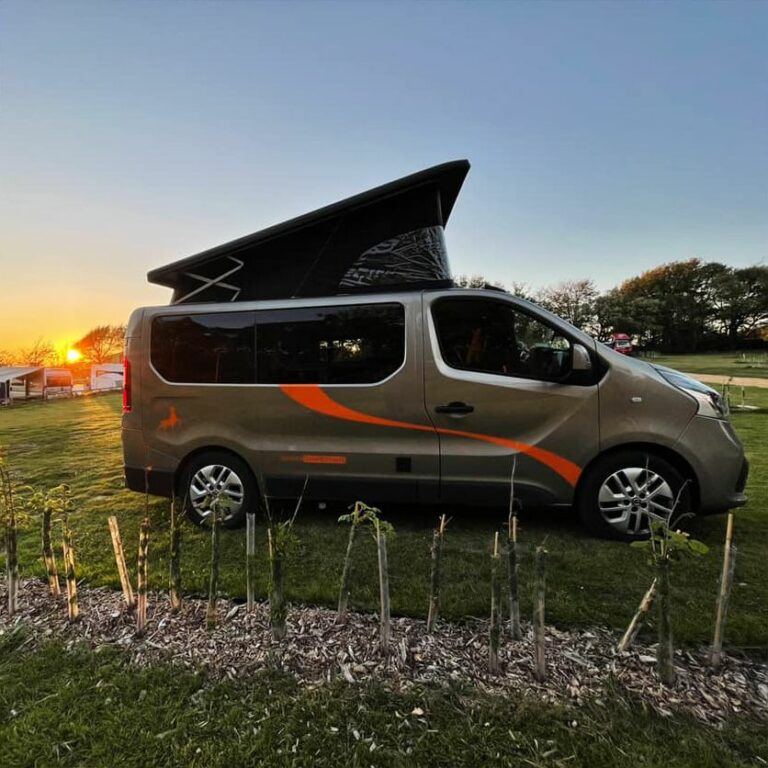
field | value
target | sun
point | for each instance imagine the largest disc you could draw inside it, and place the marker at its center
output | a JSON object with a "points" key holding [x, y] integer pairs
{"points": [[73, 355]]}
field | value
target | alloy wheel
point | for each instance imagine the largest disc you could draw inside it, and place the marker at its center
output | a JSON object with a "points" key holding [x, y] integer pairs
{"points": [[631, 497], [216, 480]]}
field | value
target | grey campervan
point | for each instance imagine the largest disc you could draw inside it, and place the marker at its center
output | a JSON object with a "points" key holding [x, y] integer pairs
{"points": [[335, 346]]}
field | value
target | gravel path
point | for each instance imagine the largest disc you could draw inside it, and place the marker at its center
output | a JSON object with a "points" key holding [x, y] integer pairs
{"points": [[734, 381]]}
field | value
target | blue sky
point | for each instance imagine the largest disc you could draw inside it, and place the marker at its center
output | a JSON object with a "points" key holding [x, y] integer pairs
{"points": [[605, 138]]}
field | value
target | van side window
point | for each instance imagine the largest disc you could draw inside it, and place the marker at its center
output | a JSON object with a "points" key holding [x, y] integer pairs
{"points": [[330, 345], [217, 348], [493, 337]]}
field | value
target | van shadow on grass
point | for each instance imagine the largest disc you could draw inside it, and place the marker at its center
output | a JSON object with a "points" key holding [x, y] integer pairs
{"points": [[537, 521]]}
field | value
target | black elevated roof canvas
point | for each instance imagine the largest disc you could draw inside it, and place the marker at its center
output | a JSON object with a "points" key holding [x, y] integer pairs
{"points": [[387, 236]]}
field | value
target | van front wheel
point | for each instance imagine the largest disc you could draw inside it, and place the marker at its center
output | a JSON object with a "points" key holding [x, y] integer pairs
{"points": [[623, 492], [212, 473]]}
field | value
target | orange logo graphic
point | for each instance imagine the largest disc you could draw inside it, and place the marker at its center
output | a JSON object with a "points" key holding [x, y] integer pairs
{"points": [[172, 420]]}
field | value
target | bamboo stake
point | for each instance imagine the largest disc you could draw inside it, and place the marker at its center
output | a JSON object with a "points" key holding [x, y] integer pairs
{"points": [[174, 566], [277, 586], [495, 624], [11, 551], [629, 637], [437, 556], [381, 545], [141, 603], [665, 653], [515, 629], [511, 559], [211, 616], [717, 655], [250, 560], [343, 607], [12, 563], [73, 608], [48, 556], [122, 568], [723, 598], [280, 536], [539, 592]]}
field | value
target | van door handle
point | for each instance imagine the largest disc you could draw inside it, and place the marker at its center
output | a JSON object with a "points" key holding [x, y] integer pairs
{"points": [[455, 407]]}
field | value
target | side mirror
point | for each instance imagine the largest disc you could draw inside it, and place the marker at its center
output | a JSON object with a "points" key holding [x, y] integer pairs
{"points": [[581, 359]]}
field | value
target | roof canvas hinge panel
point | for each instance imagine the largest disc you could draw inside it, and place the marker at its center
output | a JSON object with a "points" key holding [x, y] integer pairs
{"points": [[209, 282], [390, 235]]}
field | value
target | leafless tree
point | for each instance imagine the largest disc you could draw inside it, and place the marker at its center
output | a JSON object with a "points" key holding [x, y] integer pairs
{"points": [[39, 353], [573, 300]]}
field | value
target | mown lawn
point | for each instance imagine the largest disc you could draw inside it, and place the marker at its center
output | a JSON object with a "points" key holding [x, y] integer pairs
{"points": [[747, 364], [589, 581], [74, 707]]}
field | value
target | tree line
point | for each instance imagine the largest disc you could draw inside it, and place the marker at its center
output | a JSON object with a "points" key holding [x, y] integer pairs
{"points": [[101, 344], [683, 306]]}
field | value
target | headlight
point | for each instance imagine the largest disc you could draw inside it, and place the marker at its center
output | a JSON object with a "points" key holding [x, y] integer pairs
{"points": [[711, 403]]}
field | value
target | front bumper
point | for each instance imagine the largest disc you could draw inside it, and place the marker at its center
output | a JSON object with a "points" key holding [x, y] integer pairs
{"points": [[717, 457]]}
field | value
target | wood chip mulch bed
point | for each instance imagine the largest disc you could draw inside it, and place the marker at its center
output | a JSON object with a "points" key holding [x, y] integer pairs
{"points": [[581, 664]]}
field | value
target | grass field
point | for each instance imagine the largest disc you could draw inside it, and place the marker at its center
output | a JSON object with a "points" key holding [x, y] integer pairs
{"points": [[70, 706], [747, 364], [80, 708], [590, 581]]}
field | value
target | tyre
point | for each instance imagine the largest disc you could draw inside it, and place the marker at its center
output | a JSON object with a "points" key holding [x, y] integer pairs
{"points": [[622, 492], [223, 473]]}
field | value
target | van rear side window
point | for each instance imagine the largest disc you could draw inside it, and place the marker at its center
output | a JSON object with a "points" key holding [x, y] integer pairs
{"points": [[309, 345], [330, 345], [216, 348]]}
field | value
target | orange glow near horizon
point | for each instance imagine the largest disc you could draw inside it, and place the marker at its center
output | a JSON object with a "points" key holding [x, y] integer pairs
{"points": [[73, 355]]}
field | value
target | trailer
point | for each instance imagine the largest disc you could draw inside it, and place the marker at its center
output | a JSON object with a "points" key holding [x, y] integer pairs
{"points": [[25, 383], [106, 377]]}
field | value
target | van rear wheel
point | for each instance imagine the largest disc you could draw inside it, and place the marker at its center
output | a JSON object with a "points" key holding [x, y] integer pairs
{"points": [[623, 492], [218, 472]]}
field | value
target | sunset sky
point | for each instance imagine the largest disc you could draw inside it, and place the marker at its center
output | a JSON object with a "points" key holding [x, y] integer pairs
{"points": [[605, 138]]}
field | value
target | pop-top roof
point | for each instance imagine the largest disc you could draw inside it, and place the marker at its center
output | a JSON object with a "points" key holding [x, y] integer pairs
{"points": [[391, 235]]}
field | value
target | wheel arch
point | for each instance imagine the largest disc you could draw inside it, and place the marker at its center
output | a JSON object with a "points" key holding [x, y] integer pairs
{"points": [[663, 452]]}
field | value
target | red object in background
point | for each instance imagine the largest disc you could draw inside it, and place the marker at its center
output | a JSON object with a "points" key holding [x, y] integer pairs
{"points": [[621, 343], [126, 385]]}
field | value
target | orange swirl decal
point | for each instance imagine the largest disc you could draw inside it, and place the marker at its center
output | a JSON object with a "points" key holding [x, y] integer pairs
{"points": [[315, 399]]}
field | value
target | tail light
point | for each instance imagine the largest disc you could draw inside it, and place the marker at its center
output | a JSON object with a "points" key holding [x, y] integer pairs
{"points": [[126, 385]]}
